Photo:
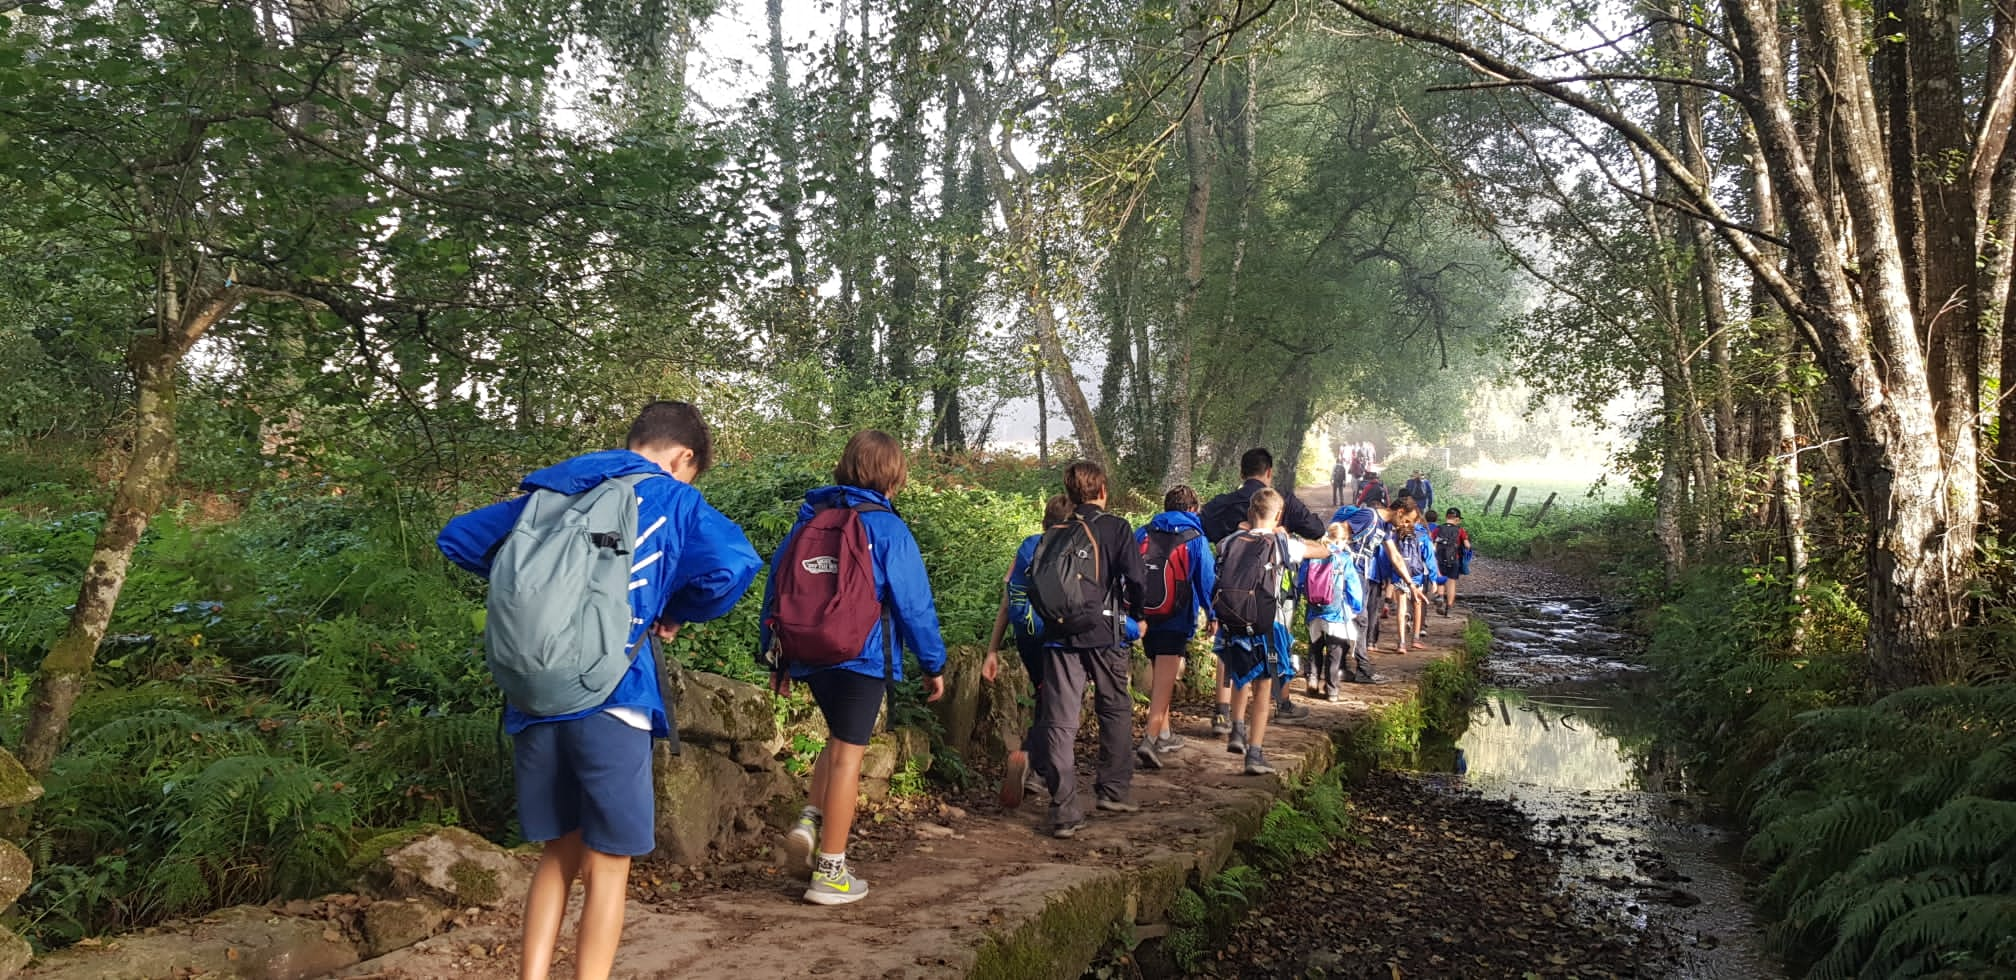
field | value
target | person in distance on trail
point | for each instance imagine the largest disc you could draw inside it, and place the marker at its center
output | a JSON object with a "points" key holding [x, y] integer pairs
{"points": [[1423, 491], [1027, 627], [1254, 562], [1224, 515], [847, 588], [584, 776], [1339, 475], [1180, 574], [1086, 583], [1372, 492]]}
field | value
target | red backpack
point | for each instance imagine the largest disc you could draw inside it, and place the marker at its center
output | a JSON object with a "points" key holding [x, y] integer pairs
{"points": [[824, 603], [1165, 557]]}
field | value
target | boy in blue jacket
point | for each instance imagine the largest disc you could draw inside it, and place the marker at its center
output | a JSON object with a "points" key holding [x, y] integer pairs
{"points": [[584, 779], [1167, 641], [871, 471]]}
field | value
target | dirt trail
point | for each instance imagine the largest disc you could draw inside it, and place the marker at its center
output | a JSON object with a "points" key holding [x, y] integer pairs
{"points": [[974, 883]]}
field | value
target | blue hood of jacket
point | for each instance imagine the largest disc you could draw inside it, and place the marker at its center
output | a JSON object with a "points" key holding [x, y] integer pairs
{"points": [[1176, 522], [839, 496], [582, 472]]}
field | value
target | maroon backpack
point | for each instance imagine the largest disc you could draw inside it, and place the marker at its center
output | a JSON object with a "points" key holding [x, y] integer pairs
{"points": [[824, 605]]}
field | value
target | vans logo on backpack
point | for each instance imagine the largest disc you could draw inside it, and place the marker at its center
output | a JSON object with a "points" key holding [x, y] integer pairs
{"points": [[821, 565]]}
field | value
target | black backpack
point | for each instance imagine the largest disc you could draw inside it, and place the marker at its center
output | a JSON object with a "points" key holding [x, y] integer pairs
{"points": [[1067, 580], [1448, 545], [1249, 584], [1165, 562]]}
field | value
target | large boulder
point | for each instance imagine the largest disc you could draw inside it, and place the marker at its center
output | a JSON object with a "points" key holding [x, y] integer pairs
{"points": [[716, 710], [14, 871], [445, 864], [16, 786], [707, 800], [14, 953], [244, 941], [391, 923]]}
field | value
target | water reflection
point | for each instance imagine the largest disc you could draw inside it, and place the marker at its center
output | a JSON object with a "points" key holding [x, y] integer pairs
{"points": [[1518, 740]]}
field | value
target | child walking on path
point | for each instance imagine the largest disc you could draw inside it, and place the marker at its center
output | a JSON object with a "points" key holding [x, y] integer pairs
{"points": [[1452, 553], [584, 777], [1180, 576], [1336, 597], [1253, 563], [849, 685], [1086, 582], [1016, 613], [1224, 514]]}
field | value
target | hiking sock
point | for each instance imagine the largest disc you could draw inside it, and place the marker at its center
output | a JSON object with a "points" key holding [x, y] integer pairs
{"points": [[831, 865]]}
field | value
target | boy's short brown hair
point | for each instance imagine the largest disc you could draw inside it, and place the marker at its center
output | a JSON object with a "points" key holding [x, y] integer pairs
{"points": [[668, 423], [1056, 510], [873, 460], [1085, 480], [1265, 506], [1180, 498]]}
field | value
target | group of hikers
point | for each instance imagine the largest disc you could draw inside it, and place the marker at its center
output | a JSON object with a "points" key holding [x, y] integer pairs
{"points": [[625, 533]]}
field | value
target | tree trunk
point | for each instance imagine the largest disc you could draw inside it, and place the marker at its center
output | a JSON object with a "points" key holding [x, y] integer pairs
{"points": [[961, 194], [784, 142], [1197, 157], [1019, 212], [156, 365], [1042, 419]]}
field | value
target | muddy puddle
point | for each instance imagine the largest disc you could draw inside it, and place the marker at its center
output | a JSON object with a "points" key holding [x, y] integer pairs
{"points": [[1563, 733]]}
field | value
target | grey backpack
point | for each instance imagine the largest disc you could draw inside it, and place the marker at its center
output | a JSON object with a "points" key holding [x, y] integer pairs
{"points": [[558, 623]]}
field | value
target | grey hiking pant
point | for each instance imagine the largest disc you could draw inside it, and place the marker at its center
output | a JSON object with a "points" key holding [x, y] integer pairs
{"points": [[1066, 671]]}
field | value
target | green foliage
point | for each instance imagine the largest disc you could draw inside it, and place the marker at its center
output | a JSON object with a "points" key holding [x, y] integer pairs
{"points": [[1886, 828], [908, 781], [272, 691]]}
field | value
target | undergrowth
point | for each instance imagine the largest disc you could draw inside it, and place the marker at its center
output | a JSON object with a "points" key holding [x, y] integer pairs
{"points": [[1882, 831], [1300, 826]]}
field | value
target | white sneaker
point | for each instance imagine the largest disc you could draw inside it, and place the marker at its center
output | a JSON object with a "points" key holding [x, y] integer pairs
{"points": [[798, 846]]}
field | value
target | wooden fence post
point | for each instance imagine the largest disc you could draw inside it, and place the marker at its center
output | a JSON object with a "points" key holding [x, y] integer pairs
{"points": [[1509, 498], [1537, 518], [1488, 501]]}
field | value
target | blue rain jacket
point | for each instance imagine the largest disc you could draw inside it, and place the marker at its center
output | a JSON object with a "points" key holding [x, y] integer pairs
{"points": [[1203, 570], [1350, 587], [693, 563], [900, 584]]}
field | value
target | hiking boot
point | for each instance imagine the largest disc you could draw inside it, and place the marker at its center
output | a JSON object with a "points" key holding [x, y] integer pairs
{"points": [[798, 846], [1146, 754], [1066, 831], [1368, 677], [838, 888], [1256, 762], [1235, 742], [1171, 742], [1335, 697], [1221, 722], [1015, 782], [1118, 806], [1289, 711]]}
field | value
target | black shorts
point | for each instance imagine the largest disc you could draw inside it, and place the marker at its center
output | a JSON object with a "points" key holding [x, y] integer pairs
{"points": [[1165, 644], [850, 701]]}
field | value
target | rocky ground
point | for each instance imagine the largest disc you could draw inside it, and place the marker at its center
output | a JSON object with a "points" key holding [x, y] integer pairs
{"points": [[1431, 882]]}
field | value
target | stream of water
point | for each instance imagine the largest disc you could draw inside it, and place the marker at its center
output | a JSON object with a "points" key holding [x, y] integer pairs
{"points": [[1564, 734]]}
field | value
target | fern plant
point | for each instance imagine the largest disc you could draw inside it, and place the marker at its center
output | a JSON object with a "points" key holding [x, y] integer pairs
{"points": [[1889, 835]]}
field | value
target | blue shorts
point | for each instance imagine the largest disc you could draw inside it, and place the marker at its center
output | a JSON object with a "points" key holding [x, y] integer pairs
{"points": [[589, 774]]}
